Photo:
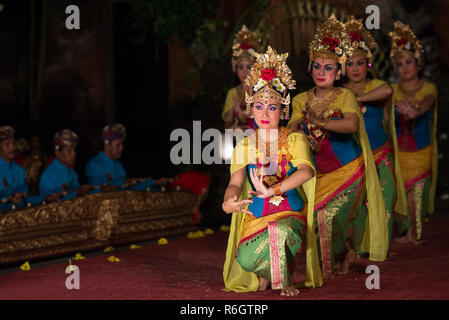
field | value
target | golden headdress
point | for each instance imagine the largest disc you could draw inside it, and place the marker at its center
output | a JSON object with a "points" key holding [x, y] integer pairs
{"points": [[246, 45], [270, 76], [331, 41], [403, 40], [361, 39]]}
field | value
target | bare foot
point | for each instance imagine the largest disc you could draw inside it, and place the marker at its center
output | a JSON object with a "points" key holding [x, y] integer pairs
{"points": [[290, 291], [419, 242], [263, 284], [350, 257], [409, 238], [403, 239]]}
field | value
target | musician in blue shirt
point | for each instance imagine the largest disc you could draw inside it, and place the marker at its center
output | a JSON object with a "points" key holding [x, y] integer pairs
{"points": [[59, 181], [105, 168], [13, 187]]}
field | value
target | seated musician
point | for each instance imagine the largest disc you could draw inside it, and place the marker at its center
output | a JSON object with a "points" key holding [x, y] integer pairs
{"points": [[59, 181], [13, 188], [105, 169]]}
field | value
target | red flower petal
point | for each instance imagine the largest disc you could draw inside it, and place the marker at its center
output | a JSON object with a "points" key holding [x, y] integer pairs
{"points": [[245, 46]]}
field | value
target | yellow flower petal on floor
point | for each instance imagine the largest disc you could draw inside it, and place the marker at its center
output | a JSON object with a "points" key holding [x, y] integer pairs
{"points": [[113, 259], [208, 231], [199, 234], [162, 241], [134, 246], [108, 249], [224, 228], [194, 235], [25, 267], [78, 256]]}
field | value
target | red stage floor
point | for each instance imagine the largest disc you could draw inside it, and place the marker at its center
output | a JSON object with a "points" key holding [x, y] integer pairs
{"points": [[188, 269]]}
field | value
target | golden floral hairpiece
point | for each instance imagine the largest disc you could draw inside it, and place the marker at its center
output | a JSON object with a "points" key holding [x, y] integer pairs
{"points": [[246, 45], [331, 41], [403, 40], [270, 77], [361, 39]]}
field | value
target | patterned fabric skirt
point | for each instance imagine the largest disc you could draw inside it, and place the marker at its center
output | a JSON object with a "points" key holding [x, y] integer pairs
{"points": [[418, 200], [340, 216], [416, 168], [271, 252], [387, 178]]}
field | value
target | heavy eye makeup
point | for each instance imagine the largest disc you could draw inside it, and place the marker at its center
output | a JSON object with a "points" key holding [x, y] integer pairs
{"points": [[271, 107], [327, 67], [259, 106]]}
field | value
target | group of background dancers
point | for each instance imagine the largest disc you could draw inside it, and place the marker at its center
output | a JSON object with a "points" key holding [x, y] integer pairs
{"points": [[352, 162]]}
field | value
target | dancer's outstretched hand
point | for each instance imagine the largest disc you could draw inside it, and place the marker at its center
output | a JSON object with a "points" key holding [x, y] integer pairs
{"points": [[233, 205]]}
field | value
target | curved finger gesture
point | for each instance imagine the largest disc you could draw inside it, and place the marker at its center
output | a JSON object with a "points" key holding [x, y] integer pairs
{"points": [[261, 190], [233, 205]]}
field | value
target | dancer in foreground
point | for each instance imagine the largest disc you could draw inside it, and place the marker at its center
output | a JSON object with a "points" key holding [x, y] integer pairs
{"points": [[269, 165]]}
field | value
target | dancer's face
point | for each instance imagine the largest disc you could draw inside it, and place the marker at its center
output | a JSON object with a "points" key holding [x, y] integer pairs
{"points": [[267, 113], [243, 69], [324, 72], [357, 69], [8, 149], [406, 66]]}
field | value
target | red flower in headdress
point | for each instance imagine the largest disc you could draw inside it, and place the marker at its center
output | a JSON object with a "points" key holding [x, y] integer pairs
{"points": [[402, 41], [245, 46], [333, 43], [268, 74], [355, 36]]}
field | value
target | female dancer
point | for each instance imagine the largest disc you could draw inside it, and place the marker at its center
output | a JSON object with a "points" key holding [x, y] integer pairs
{"points": [[373, 96], [415, 118], [246, 46], [346, 173], [270, 164]]}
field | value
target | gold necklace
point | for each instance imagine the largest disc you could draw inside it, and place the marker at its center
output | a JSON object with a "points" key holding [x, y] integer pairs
{"points": [[320, 105], [271, 146], [410, 93], [358, 90]]}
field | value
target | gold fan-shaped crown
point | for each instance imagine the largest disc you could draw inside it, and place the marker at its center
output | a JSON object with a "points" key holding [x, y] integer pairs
{"points": [[403, 40], [246, 45], [361, 39], [270, 76], [331, 41]]}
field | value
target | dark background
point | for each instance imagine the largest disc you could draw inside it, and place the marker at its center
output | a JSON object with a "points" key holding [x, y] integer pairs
{"points": [[157, 65]]}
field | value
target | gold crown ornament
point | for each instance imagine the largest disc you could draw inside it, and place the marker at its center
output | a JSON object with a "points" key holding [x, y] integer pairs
{"points": [[246, 45], [361, 40], [404, 41], [270, 77], [331, 41]]}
